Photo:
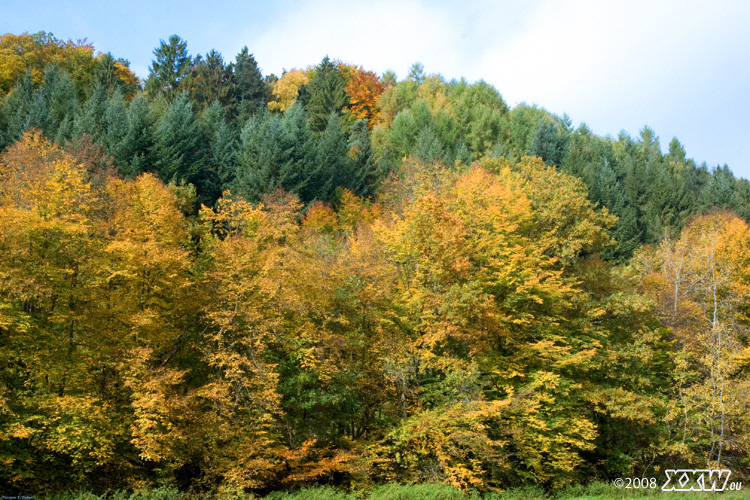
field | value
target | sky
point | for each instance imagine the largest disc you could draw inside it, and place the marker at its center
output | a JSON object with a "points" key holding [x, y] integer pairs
{"points": [[680, 67]]}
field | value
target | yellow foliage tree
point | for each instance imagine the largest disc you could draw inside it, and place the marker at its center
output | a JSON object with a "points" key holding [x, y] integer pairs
{"points": [[701, 286], [286, 89]]}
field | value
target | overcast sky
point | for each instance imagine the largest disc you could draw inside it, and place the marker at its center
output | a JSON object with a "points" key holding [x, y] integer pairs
{"points": [[680, 67]]}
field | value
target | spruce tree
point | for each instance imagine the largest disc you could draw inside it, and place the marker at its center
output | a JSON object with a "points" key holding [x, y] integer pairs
{"points": [[25, 107], [116, 129], [250, 88], [171, 66], [331, 166], [325, 94], [60, 93], [212, 80], [221, 149], [179, 147], [135, 149], [90, 117]]}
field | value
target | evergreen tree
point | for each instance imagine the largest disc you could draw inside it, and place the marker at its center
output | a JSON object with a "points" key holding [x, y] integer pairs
{"points": [[366, 175], [221, 148], [171, 66], [211, 81], [24, 108], [325, 94], [331, 166], [133, 153], [60, 93], [90, 117], [549, 144], [249, 85], [109, 74], [179, 147], [275, 152], [428, 147], [115, 128]]}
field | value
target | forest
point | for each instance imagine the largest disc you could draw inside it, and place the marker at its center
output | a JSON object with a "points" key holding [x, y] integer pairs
{"points": [[220, 280]]}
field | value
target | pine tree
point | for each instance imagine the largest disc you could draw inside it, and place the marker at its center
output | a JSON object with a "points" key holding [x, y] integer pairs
{"points": [[24, 108], [250, 87], [60, 93], [211, 80], [179, 147], [90, 116], [171, 66], [221, 147], [331, 165], [116, 129], [549, 144], [325, 94], [135, 149], [275, 152]]}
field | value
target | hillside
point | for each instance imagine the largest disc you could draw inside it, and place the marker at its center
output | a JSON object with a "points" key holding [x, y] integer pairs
{"points": [[219, 281]]}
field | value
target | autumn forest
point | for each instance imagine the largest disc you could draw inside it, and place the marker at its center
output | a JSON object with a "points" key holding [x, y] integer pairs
{"points": [[227, 281]]}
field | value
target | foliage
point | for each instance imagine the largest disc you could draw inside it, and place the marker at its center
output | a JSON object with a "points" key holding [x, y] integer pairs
{"points": [[406, 282]]}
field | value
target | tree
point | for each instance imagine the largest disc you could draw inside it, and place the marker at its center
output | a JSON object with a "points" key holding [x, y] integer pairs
{"points": [[364, 90], [169, 69], [483, 259], [56, 411], [135, 153], [699, 284], [178, 146], [479, 110], [222, 147], [332, 167], [115, 75], [273, 153], [90, 116], [34, 53], [549, 144], [324, 94], [24, 108], [251, 89], [286, 89], [210, 81]]}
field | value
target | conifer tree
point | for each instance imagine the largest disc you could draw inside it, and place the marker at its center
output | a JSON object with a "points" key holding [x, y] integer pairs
{"points": [[212, 80], [134, 153], [24, 108], [221, 148], [179, 147], [90, 116], [324, 94], [171, 66], [250, 87]]}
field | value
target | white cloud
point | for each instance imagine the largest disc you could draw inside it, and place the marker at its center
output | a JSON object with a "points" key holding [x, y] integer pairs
{"points": [[680, 67], [378, 35]]}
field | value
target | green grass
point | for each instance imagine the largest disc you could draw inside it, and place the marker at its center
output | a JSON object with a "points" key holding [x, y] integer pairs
{"points": [[594, 491]]}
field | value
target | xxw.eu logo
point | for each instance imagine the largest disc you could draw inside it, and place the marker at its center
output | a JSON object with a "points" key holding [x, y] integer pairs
{"points": [[698, 480]]}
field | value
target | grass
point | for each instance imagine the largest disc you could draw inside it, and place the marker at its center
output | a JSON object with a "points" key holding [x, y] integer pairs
{"points": [[594, 491]]}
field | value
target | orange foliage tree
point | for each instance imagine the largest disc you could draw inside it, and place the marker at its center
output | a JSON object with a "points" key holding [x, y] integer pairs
{"points": [[364, 89]]}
